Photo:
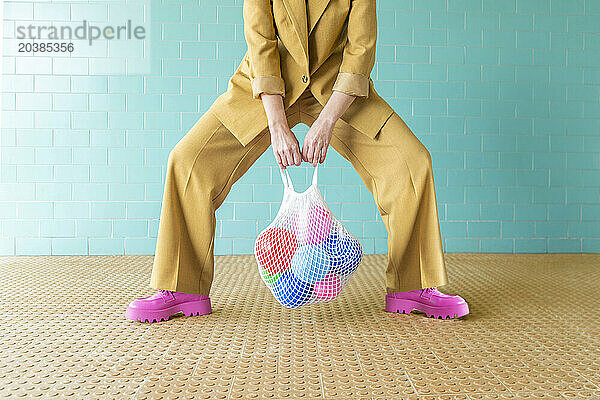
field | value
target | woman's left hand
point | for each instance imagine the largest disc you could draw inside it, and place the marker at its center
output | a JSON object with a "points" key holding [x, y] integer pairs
{"points": [[317, 140]]}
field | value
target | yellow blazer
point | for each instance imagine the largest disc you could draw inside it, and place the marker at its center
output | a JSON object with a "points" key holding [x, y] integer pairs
{"points": [[285, 56]]}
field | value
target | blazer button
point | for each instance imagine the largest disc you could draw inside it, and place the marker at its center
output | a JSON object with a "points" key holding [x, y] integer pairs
{"points": [[304, 78]]}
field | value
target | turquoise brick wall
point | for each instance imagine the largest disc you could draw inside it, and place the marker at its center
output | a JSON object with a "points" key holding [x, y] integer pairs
{"points": [[504, 93]]}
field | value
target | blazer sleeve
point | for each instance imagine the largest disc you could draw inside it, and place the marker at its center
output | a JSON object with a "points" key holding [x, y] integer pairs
{"points": [[358, 56], [259, 31]]}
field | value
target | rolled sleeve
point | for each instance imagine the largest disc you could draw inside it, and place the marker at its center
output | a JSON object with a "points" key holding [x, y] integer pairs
{"points": [[358, 55], [352, 84], [264, 59], [268, 85]]}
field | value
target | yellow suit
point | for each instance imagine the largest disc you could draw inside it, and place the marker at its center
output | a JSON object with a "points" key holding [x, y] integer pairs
{"points": [[331, 46], [341, 35]]}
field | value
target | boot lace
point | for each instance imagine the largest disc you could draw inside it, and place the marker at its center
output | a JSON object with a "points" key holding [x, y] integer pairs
{"points": [[434, 291], [431, 291], [166, 294]]}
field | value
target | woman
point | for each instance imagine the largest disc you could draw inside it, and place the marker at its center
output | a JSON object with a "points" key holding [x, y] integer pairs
{"points": [[308, 61]]}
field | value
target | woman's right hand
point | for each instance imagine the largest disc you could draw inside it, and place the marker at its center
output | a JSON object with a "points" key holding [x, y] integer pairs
{"points": [[285, 145]]}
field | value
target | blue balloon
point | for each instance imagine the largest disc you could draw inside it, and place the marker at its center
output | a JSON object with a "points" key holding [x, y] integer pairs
{"points": [[349, 251], [332, 240], [332, 244], [292, 292], [355, 254], [311, 263]]}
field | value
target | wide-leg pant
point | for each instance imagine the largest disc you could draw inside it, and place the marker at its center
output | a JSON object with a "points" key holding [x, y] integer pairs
{"points": [[395, 167]]}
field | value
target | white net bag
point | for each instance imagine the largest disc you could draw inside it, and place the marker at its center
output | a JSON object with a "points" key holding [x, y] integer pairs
{"points": [[305, 255]]}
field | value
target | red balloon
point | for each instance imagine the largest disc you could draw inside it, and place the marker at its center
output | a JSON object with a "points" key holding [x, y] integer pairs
{"points": [[275, 248]]}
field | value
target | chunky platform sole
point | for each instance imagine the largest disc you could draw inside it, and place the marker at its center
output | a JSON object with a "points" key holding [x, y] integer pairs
{"points": [[189, 309], [404, 306]]}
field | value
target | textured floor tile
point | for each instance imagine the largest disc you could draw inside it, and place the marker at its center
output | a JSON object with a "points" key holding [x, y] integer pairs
{"points": [[529, 335]]}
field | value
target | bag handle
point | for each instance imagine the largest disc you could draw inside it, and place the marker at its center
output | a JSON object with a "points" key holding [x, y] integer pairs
{"points": [[287, 181], [314, 179], [285, 177]]}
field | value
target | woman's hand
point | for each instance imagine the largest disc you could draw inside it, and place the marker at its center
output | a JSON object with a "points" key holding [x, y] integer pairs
{"points": [[319, 135], [284, 142], [317, 140], [285, 145]]}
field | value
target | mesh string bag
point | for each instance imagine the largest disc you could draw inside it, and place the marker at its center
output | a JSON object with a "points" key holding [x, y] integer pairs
{"points": [[305, 255]]}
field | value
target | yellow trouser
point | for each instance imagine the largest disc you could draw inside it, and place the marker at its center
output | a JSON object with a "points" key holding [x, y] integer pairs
{"points": [[395, 166]]}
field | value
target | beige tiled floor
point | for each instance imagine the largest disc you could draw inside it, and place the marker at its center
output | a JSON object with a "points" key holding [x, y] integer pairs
{"points": [[533, 332]]}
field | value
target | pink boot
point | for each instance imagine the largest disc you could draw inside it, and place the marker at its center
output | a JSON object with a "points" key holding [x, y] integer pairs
{"points": [[164, 303], [429, 300]]}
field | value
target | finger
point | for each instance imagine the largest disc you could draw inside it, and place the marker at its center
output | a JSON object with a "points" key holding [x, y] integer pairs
{"points": [[323, 154], [316, 155], [309, 153], [297, 159], [283, 162], [292, 156], [288, 158], [295, 154], [304, 151], [279, 162]]}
